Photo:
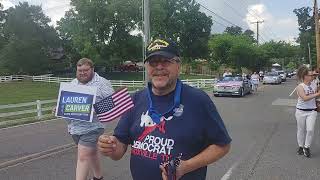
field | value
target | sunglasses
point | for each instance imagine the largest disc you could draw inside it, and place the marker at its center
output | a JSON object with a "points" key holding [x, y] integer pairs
{"points": [[162, 61]]}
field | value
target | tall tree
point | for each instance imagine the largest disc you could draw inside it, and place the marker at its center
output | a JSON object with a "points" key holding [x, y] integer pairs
{"points": [[249, 33], [282, 52], [307, 31], [182, 20], [102, 30], [2, 21], [233, 30], [29, 39], [236, 51]]}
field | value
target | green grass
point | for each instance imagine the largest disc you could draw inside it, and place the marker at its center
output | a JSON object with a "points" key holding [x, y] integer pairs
{"points": [[27, 91]]}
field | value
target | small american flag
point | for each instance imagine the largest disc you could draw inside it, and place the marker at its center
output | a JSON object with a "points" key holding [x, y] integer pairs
{"points": [[113, 106]]}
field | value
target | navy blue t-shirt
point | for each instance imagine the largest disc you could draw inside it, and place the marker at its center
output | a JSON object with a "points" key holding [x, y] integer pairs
{"points": [[195, 125]]}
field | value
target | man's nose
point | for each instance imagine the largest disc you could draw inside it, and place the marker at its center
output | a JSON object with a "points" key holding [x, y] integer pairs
{"points": [[159, 65]]}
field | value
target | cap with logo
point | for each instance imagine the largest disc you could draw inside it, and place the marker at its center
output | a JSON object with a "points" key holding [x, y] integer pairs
{"points": [[162, 47]]}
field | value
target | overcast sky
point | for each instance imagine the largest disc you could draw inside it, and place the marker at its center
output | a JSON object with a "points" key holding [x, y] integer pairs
{"points": [[280, 23]]}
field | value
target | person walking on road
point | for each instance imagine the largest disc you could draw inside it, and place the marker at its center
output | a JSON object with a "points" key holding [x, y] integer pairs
{"points": [[174, 130], [86, 134], [227, 73], [306, 113], [255, 78]]}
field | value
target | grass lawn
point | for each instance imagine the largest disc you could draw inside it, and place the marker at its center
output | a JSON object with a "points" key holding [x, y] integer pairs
{"points": [[27, 91]]}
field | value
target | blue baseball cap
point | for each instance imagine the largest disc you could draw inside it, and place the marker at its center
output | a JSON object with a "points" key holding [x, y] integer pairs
{"points": [[162, 47]]}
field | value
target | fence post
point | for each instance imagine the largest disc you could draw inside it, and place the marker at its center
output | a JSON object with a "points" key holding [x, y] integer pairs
{"points": [[39, 113]]}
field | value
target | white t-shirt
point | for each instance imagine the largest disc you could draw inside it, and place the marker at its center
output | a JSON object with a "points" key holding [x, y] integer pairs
{"points": [[227, 74], [255, 77], [311, 104]]}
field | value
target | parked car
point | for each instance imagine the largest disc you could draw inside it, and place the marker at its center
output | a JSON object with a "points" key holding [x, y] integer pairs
{"points": [[232, 86], [129, 66], [272, 78]]}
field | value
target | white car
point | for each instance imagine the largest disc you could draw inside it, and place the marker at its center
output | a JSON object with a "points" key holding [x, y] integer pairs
{"points": [[283, 75], [272, 78]]}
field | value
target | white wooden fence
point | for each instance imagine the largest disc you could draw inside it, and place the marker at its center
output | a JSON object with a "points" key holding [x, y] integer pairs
{"points": [[12, 78], [39, 110], [199, 83]]}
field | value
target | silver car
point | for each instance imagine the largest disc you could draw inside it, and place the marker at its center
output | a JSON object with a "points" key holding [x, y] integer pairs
{"points": [[232, 86], [272, 78], [283, 75]]}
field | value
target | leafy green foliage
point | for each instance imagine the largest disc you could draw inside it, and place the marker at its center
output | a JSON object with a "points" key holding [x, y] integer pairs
{"points": [[101, 31], [307, 32], [28, 39], [235, 51], [233, 30], [182, 20]]}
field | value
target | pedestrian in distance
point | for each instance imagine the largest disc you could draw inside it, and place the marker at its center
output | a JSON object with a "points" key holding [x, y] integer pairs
{"points": [[174, 130], [306, 109], [255, 78], [85, 134], [227, 73]]}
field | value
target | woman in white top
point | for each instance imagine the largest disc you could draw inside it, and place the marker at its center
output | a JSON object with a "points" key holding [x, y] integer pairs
{"points": [[255, 81], [306, 113]]}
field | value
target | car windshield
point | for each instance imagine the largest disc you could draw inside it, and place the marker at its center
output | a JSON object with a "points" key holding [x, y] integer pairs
{"points": [[272, 74], [231, 78]]}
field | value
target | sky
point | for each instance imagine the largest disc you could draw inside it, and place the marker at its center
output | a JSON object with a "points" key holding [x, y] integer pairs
{"points": [[279, 21]]}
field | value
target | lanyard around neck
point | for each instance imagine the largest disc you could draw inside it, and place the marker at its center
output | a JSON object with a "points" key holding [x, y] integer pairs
{"points": [[153, 113]]}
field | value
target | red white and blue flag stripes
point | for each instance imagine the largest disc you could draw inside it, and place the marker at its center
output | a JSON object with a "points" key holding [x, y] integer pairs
{"points": [[114, 105]]}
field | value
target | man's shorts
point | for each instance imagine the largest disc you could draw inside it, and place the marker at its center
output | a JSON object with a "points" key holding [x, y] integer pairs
{"points": [[90, 139]]}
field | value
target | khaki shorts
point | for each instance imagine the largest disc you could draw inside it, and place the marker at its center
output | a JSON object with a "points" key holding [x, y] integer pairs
{"points": [[90, 139]]}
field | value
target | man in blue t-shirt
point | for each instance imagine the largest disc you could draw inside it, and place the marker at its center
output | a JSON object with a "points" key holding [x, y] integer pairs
{"points": [[170, 121]]}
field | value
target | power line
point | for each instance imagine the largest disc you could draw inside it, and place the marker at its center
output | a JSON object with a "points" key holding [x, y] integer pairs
{"points": [[214, 13], [237, 12], [255, 14], [234, 10]]}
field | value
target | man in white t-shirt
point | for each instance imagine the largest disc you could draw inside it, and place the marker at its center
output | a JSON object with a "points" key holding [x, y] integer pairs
{"points": [[227, 73]]}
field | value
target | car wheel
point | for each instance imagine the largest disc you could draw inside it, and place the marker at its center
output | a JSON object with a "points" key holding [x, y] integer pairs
{"points": [[216, 95], [241, 92]]}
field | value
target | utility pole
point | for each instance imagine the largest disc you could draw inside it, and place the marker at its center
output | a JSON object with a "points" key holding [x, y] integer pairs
{"points": [[309, 55], [316, 19], [146, 32], [257, 22]]}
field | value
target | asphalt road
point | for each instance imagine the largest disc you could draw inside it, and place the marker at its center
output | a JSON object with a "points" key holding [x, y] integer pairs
{"points": [[262, 126]]}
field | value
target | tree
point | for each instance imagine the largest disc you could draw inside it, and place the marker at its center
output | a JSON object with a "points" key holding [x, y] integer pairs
{"points": [[28, 40], [307, 31], [182, 21], [2, 21], [235, 51], [282, 52], [101, 31], [249, 33], [233, 30]]}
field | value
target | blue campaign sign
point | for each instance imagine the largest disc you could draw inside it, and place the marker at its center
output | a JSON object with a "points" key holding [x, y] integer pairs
{"points": [[76, 102]]}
